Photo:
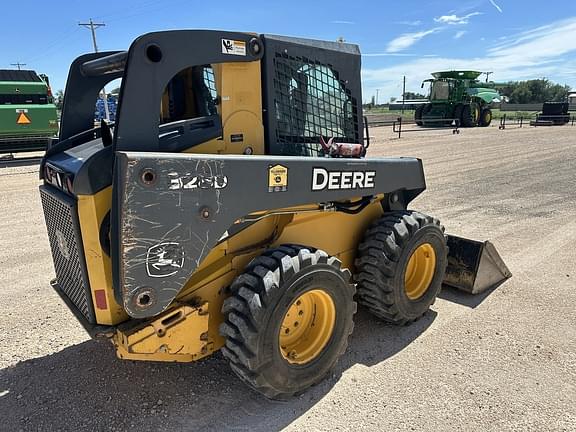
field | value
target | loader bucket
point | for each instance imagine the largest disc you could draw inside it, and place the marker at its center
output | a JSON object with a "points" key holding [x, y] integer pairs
{"points": [[474, 266]]}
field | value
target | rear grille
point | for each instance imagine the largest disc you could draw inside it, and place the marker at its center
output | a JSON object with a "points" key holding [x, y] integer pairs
{"points": [[60, 212]]}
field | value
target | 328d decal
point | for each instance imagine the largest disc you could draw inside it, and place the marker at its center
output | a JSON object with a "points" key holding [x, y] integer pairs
{"points": [[207, 175]]}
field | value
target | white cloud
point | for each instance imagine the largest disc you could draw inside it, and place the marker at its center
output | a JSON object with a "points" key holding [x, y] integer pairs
{"points": [[498, 8], [387, 54], [455, 19], [410, 23], [544, 51], [459, 34], [545, 42], [342, 22], [407, 40]]}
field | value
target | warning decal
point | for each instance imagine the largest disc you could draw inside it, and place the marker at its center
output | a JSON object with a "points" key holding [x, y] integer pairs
{"points": [[22, 117], [277, 178], [233, 47]]}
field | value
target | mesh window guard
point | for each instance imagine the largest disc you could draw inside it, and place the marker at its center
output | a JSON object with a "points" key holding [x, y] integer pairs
{"points": [[310, 102], [210, 83]]}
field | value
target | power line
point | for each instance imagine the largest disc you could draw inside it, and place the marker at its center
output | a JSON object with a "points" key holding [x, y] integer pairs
{"points": [[18, 64], [49, 48]]}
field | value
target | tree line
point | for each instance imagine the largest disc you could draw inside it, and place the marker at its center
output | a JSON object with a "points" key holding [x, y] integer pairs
{"points": [[534, 91], [518, 92]]}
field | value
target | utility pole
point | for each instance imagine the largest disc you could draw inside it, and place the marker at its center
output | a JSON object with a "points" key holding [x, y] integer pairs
{"points": [[487, 75], [18, 64], [93, 26], [403, 92]]}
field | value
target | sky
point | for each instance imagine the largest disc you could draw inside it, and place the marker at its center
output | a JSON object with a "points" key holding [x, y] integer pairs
{"points": [[516, 40]]}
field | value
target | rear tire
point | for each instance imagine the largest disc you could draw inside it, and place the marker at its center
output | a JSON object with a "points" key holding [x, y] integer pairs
{"points": [[288, 289], [470, 115], [401, 263]]}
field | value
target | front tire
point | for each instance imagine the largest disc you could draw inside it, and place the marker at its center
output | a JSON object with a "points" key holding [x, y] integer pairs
{"points": [[485, 117], [400, 266], [288, 320], [418, 115], [458, 114]]}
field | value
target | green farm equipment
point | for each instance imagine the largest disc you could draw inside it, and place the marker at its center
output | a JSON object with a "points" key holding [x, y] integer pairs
{"points": [[457, 97], [28, 118]]}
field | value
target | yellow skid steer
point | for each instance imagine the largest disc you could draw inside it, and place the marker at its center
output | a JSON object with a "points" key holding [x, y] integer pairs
{"points": [[231, 207]]}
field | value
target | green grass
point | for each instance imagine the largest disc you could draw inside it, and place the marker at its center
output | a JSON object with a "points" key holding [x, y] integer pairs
{"points": [[497, 114]]}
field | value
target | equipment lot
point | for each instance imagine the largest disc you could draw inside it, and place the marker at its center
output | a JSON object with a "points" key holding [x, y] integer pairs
{"points": [[505, 360]]}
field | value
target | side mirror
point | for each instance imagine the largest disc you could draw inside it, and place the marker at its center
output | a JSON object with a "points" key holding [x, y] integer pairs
{"points": [[422, 86]]}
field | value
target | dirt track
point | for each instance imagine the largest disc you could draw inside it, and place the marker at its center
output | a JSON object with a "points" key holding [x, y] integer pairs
{"points": [[501, 361]]}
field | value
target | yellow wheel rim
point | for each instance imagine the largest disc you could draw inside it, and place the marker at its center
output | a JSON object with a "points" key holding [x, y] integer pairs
{"points": [[419, 271], [307, 327]]}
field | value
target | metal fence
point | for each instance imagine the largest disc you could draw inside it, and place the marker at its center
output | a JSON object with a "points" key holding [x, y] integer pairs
{"points": [[526, 107], [507, 121]]}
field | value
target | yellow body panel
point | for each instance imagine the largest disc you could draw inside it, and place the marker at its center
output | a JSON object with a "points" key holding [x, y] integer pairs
{"points": [[240, 109], [179, 335], [336, 233], [91, 212]]}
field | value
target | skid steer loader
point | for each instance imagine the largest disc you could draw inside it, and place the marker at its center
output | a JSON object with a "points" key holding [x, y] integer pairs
{"points": [[230, 207]]}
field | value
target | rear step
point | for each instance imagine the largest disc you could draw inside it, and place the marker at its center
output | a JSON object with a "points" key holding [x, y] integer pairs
{"points": [[474, 266]]}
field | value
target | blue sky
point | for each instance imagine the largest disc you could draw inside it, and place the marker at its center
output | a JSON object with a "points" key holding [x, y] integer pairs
{"points": [[517, 40]]}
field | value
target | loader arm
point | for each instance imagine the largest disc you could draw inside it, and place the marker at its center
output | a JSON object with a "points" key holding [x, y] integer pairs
{"points": [[171, 209]]}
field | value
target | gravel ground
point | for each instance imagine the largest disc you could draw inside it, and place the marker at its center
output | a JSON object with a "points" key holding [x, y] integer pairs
{"points": [[505, 360]]}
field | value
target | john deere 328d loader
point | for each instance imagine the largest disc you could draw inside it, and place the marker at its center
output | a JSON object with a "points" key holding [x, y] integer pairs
{"points": [[230, 207]]}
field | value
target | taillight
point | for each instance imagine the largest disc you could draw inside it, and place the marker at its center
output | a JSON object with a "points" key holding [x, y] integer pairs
{"points": [[69, 184], [58, 176]]}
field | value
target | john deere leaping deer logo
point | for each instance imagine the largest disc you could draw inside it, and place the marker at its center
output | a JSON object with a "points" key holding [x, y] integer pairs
{"points": [[164, 259]]}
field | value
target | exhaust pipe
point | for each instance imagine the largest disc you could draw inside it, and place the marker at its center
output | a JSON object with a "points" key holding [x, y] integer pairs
{"points": [[474, 266]]}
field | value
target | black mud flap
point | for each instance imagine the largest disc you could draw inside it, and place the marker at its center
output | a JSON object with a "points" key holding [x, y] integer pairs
{"points": [[474, 266]]}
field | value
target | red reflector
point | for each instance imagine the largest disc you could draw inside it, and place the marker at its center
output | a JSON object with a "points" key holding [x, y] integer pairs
{"points": [[100, 297]]}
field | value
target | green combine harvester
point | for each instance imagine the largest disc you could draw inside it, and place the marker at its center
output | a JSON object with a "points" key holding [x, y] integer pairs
{"points": [[28, 118], [457, 96]]}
